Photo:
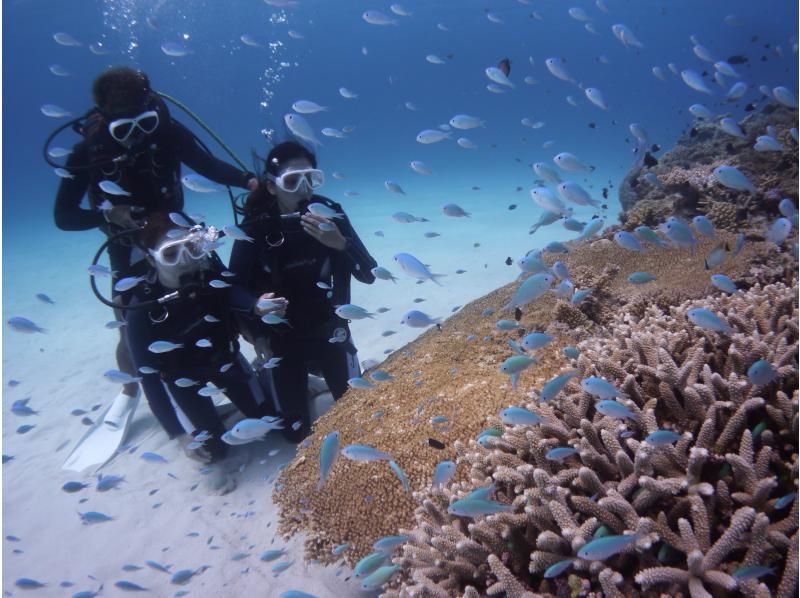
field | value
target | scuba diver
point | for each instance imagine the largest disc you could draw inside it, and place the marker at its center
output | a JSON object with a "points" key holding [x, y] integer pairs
{"points": [[298, 269], [188, 341], [129, 164]]}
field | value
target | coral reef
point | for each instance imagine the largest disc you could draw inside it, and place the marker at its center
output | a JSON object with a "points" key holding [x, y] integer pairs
{"points": [[702, 508], [701, 511], [445, 374], [722, 215], [649, 212], [685, 171]]}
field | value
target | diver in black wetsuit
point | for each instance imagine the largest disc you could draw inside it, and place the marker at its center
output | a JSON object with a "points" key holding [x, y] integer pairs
{"points": [[298, 267], [201, 322], [131, 140]]}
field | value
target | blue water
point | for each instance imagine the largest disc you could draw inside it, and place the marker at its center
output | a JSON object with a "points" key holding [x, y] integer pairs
{"points": [[241, 90]]}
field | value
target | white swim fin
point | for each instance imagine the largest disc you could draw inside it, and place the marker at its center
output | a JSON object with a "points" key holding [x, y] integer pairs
{"points": [[101, 441]]}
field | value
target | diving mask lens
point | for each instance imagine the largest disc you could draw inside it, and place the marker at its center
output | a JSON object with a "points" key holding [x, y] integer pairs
{"points": [[171, 253], [290, 181], [122, 128]]}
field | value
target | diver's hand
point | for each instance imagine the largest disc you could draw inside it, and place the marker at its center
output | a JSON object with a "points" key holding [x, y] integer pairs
{"points": [[122, 216], [332, 237], [268, 303]]}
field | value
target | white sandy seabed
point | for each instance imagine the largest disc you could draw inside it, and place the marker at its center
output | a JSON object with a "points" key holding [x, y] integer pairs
{"points": [[161, 511]]}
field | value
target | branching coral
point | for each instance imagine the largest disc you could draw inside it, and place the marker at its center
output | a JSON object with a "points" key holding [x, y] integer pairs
{"points": [[701, 508]]}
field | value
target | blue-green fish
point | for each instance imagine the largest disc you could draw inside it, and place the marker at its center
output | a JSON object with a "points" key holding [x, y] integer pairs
{"points": [[560, 270], [507, 324], [598, 387], [370, 563], [532, 262], [739, 245], [72, 487], [163, 346], [476, 507], [679, 233], [532, 288], [107, 482], [555, 247], [779, 231], [627, 241], [401, 475], [21, 324], [786, 500], [381, 376], [614, 409], [560, 453], [182, 576], [20, 407], [272, 555], [707, 319], [767, 143], [515, 347], [591, 228], [361, 452], [328, 453], [519, 416], [733, 178], [488, 433], [535, 340], [723, 283], [26, 583], [379, 577], [515, 365], [152, 457], [761, 373], [786, 208], [545, 219], [717, 256], [482, 493], [662, 437], [359, 382], [555, 385], [564, 289], [602, 548], [339, 549], [282, 566], [641, 277], [571, 352], [94, 517], [158, 566], [752, 572], [443, 473], [296, 594], [129, 586], [572, 224], [648, 235], [704, 227], [387, 544], [558, 568], [579, 295]]}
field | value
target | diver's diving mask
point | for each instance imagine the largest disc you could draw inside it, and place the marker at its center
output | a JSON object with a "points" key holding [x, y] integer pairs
{"points": [[291, 180], [121, 129], [193, 246]]}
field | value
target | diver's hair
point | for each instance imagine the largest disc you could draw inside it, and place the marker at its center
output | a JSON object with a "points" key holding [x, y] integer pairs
{"points": [[285, 152], [259, 200], [157, 227], [120, 88]]}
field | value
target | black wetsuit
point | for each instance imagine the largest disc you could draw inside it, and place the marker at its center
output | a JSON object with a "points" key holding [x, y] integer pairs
{"points": [[151, 173], [185, 321], [292, 270]]}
